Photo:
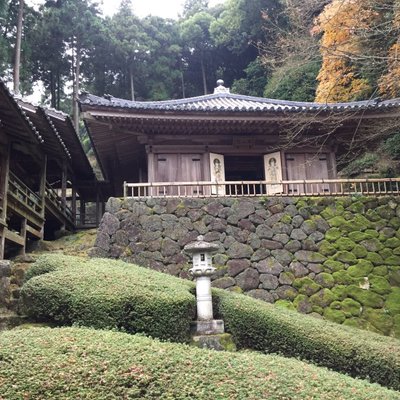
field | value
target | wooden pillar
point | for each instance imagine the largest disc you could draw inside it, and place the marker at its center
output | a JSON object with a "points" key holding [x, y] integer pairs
{"points": [[83, 211], [64, 185], [23, 236], [4, 176], [42, 191], [73, 204]]}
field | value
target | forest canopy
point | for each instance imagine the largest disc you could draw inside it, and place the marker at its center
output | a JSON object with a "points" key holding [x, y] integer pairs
{"points": [[303, 50]]}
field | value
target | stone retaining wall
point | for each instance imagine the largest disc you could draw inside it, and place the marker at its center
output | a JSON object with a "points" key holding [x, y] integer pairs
{"points": [[336, 257]]}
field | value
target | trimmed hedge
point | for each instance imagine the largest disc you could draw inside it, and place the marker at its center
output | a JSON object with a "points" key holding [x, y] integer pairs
{"points": [[108, 294], [111, 294], [264, 327], [75, 363]]}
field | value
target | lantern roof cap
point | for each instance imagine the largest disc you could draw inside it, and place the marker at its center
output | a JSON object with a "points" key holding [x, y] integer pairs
{"points": [[200, 246]]}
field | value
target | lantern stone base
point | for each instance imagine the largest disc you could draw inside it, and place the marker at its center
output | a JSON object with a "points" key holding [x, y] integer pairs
{"points": [[221, 342], [210, 327]]}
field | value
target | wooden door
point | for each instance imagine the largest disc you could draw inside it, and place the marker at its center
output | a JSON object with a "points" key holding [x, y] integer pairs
{"points": [[217, 173], [273, 172], [317, 168], [296, 170], [191, 171], [166, 170]]}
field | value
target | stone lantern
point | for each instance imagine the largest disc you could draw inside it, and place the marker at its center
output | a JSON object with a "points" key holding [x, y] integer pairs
{"points": [[202, 271]]}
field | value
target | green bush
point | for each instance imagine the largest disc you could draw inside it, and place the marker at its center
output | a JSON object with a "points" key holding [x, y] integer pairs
{"points": [[76, 363], [263, 327], [112, 294], [108, 294]]}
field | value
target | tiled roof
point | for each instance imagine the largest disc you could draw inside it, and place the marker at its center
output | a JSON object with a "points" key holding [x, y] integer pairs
{"points": [[228, 102]]}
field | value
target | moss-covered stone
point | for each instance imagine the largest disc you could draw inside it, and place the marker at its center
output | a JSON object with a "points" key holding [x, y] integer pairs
{"points": [[333, 266], [306, 286], [351, 307], [392, 260], [394, 222], [372, 244], [386, 253], [396, 251], [286, 219], [342, 278], [379, 319], [362, 268], [340, 291], [381, 270], [336, 305], [332, 211], [323, 298], [358, 223], [360, 324], [372, 215], [357, 207], [325, 279], [285, 304], [372, 232], [392, 242], [317, 309], [337, 316], [359, 251], [344, 243], [365, 297], [385, 212], [379, 284], [333, 234], [392, 303], [326, 249], [337, 222], [345, 257], [394, 275], [302, 304], [357, 236], [375, 258]]}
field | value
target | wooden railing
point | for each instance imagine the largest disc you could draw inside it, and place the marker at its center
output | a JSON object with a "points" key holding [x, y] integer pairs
{"points": [[56, 201], [316, 187], [20, 192]]}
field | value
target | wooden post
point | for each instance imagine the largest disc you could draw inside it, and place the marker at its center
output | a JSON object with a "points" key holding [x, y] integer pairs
{"points": [[73, 204], [64, 186], [4, 176], [23, 235], [83, 211], [42, 191], [2, 242]]}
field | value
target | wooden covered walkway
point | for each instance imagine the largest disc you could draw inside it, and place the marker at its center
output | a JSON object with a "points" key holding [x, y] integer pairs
{"points": [[46, 180]]}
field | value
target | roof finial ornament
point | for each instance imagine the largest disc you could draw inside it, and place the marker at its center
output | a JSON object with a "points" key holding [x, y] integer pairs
{"points": [[221, 88]]}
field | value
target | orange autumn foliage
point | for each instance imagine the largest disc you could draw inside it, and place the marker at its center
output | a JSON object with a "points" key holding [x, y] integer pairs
{"points": [[338, 78]]}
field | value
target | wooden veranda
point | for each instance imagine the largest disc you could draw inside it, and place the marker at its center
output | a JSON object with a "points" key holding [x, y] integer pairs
{"points": [[46, 181]]}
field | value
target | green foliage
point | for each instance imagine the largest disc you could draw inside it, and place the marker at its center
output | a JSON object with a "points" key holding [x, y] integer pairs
{"points": [[108, 294], [356, 167], [78, 363], [294, 82], [265, 328]]}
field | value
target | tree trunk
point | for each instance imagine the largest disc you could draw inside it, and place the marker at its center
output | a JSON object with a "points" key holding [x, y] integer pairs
{"points": [[203, 73], [132, 83], [76, 84], [17, 56]]}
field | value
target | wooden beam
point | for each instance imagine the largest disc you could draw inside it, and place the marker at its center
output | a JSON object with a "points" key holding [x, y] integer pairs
{"points": [[38, 234], [42, 190], [14, 237], [64, 186]]}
